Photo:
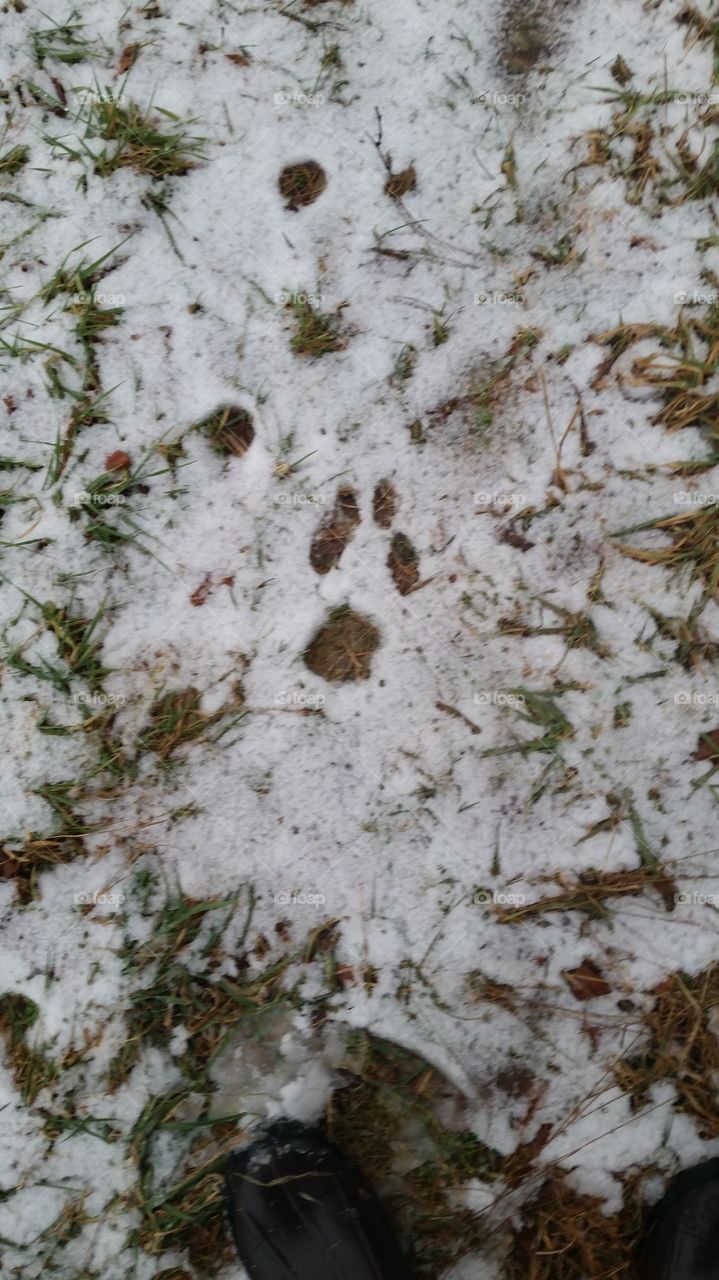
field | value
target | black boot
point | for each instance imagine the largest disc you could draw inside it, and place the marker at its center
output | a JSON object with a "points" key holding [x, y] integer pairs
{"points": [[300, 1211], [682, 1239]]}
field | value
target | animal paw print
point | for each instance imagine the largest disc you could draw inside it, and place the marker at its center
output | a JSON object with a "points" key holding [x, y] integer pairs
{"points": [[343, 646], [337, 529]]}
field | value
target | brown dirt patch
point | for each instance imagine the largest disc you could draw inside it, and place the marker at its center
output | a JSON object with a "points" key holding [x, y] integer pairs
{"points": [[400, 184], [229, 429], [530, 33], [403, 564], [342, 649], [335, 531], [515, 1080], [384, 503], [302, 184]]}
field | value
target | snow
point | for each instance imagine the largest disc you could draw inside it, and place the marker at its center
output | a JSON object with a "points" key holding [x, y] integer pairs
{"points": [[382, 812]]}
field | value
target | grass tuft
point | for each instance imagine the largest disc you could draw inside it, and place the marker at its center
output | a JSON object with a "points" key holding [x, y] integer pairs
{"points": [[32, 1069], [139, 141], [682, 1047], [176, 718], [13, 161], [567, 1235], [316, 334], [694, 544]]}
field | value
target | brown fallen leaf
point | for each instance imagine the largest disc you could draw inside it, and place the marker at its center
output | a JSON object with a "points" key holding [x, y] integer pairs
{"points": [[586, 981], [708, 747], [117, 461], [239, 59], [9, 866], [201, 593], [128, 58]]}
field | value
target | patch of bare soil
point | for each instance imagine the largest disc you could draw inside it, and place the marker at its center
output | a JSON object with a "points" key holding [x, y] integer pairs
{"points": [[530, 33], [302, 184], [400, 184], [403, 564], [229, 429], [384, 503], [335, 531], [342, 649]]}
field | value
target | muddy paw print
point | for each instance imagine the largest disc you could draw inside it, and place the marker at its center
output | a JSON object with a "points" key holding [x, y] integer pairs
{"points": [[343, 646], [337, 529], [402, 561]]}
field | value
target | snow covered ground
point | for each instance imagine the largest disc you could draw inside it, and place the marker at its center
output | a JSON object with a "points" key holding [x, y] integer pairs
{"points": [[343, 346]]}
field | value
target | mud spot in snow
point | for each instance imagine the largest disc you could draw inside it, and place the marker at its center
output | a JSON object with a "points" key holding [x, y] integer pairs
{"points": [[335, 531], [342, 649], [403, 564], [229, 429], [384, 503], [302, 184], [530, 33]]}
